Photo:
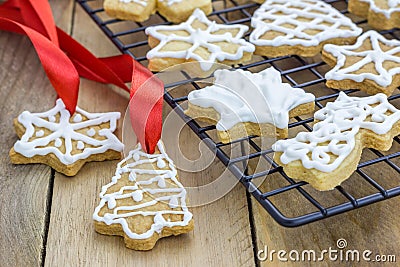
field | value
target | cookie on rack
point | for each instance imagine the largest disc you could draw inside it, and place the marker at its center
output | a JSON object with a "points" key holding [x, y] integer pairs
{"points": [[144, 201], [136, 10], [65, 142], [242, 103], [180, 10], [372, 64], [299, 27], [329, 154], [197, 40], [382, 15]]}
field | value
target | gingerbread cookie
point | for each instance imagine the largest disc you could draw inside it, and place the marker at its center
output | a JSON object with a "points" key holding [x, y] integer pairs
{"points": [[330, 153], [63, 142], [242, 103], [381, 14], [140, 10], [180, 10], [144, 201], [136, 10], [299, 27], [200, 40], [372, 64]]}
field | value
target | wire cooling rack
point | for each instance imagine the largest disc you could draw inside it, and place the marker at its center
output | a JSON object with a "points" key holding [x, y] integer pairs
{"points": [[289, 202]]}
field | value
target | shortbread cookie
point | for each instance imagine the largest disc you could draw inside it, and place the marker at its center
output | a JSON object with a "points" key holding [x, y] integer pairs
{"points": [[144, 201], [372, 64], [180, 10], [381, 14], [299, 27], [330, 153], [200, 40], [136, 10], [242, 103], [63, 142]]}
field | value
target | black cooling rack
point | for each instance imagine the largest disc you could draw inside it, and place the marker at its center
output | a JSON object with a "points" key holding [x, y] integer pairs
{"points": [[289, 202]]}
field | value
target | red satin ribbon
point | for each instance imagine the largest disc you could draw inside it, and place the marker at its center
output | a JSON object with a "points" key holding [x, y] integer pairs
{"points": [[64, 60]]}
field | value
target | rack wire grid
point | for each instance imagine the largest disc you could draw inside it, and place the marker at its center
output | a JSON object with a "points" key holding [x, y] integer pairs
{"points": [[291, 203]]}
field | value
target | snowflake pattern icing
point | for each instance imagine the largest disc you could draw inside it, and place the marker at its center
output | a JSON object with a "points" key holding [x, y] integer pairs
{"points": [[198, 37], [377, 56], [294, 19], [64, 129]]}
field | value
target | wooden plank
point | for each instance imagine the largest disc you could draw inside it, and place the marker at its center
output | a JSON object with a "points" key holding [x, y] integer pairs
{"points": [[23, 189], [222, 233]]}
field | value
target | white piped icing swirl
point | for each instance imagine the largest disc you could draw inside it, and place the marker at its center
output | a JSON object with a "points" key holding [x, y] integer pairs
{"points": [[333, 137], [242, 96], [377, 56], [174, 196], [394, 6], [303, 16], [67, 130], [200, 38]]}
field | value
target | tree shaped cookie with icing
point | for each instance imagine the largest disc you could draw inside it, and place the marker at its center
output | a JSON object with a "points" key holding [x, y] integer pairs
{"points": [[63, 142], [200, 40], [140, 10], [330, 153], [242, 103], [299, 27], [144, 201], [381, 14], [372, 64]]}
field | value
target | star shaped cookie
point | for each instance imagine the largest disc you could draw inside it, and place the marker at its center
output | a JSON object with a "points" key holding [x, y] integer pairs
{"points": [[65, 142], [372, 64], [381, 14], [299, 27], [242, 103], [144, 201], [198, 39]]}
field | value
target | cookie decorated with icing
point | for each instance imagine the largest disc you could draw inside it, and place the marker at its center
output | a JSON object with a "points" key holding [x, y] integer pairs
{"points": [[65, 142], [180, 10], [329, 154], [241, 103], [199, 40], [372, 64], [144, 201], [136, 10], [381, 14], [299, 27]]}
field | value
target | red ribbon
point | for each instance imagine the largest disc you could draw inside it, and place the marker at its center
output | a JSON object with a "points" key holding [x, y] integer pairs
{"points": [[64, 60]]}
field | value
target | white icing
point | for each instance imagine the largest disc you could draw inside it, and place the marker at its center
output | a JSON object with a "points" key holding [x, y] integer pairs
{"points": [[67, 131], [175, 196], [80, 145], [317, 12], [394, 6], [171, 2], [377, 56], [77, 118], [333, 137], [91, 132], [140, 2], [242, 96], [39, 133], [200, 38], [52, 119]]}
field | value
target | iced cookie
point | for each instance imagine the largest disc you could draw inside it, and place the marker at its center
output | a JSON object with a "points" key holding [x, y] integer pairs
{"points": [[144, 201], [200, 40], [299, 27], [372, 64], [242, 103], [136, 10], [381, 14], [180, 10], [63, 142], [330, 153]]}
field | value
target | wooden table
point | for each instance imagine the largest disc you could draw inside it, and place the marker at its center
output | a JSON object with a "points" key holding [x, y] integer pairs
{"points": [[45, 217]]}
